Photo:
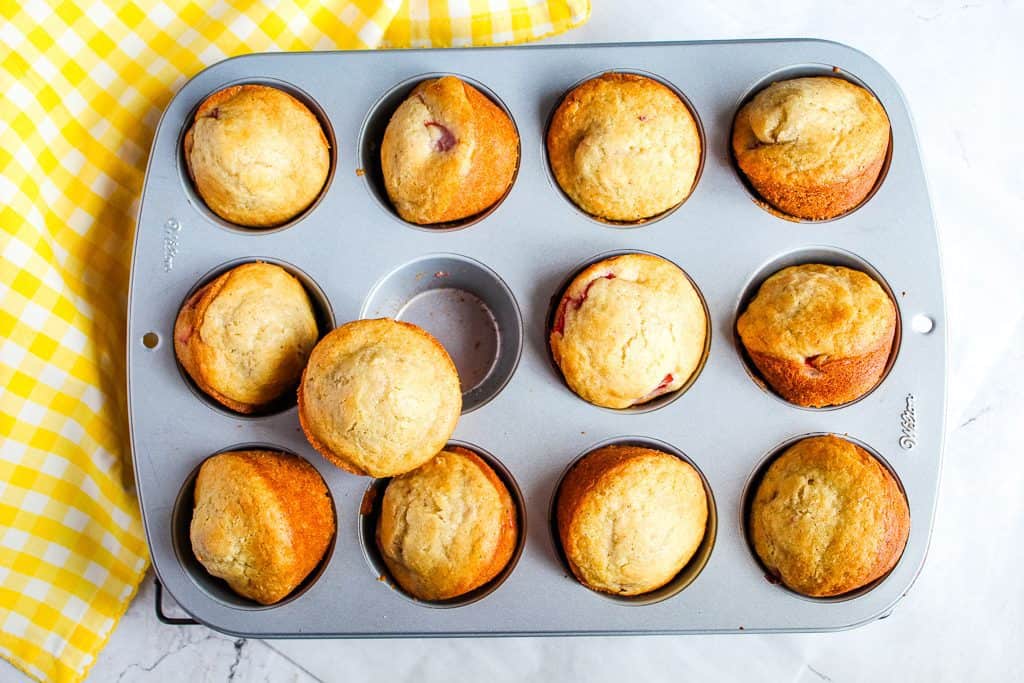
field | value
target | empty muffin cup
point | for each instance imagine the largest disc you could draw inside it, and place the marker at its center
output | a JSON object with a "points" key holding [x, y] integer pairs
{"points": [[467, 307]]}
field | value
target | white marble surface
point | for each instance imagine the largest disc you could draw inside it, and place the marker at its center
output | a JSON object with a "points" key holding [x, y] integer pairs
{"points": [[959, 64]]}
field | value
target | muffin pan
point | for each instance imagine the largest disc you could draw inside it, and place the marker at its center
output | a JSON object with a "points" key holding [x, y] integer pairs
{"points": [[485, 290]]}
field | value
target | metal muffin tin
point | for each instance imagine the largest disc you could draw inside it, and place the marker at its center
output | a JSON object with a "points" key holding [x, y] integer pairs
{"points": [[359, 259]]}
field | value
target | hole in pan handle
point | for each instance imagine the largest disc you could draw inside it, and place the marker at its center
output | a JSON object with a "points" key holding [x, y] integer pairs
{"points": [[164, 619], [922, 324]]}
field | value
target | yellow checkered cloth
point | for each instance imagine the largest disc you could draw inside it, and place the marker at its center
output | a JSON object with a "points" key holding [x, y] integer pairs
{"points": [[82, 85]]}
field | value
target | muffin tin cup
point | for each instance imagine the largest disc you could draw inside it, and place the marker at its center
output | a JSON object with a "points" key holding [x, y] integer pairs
{"points": [[214, 587], [788, 73], [467, 307], [322, 312], [747, 501], [640, 222], [659, 401], [689, 573], [829, 256], [372, 133], [369, 514], [189, 187], [506, 267]]}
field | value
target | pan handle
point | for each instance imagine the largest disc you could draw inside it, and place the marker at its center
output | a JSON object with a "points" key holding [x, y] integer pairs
{"points": [[164, 619]]}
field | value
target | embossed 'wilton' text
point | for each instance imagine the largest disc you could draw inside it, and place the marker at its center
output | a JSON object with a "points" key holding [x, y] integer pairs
{"points": [[908, 425]]}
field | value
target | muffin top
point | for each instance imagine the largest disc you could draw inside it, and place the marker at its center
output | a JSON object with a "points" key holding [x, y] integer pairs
{"points": [[828, 518], [624, 147], [628, 328], [447, 527], [245, 337], [447, 150], [630, 518], [816, 312], [810, 131], [262, 521], [257, 156], [379, 397]]}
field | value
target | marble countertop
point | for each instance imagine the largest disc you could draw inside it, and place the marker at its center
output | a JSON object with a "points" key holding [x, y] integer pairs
{"points": [[958, 63]]}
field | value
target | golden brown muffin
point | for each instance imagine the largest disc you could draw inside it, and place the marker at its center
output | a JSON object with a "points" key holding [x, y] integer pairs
{"points": [[448, 152], [812, 147], [828, 518], [630, 518], [624, 147], [245, 337], [820, 335], [379, 397], [447, 527], [257, 156], [628, 329], [262, 521]]}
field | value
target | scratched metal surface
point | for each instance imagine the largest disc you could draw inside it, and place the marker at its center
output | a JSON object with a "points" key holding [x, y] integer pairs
{"points": [[351, 246]]}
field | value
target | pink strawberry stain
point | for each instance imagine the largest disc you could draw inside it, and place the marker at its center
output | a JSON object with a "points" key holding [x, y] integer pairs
{"points": [[446, 141], [658, 390], [186, 333], [812, 363], [576, 301]]}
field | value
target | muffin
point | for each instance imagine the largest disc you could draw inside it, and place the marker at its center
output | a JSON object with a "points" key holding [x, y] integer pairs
{"points": [[448, 153], [828, 518], [624, 147], [812, 147], [245, 337], [262, 521], [447, 527], [257, 156], [628, 329], [379, 397], [630, 518], [819, 335]]}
